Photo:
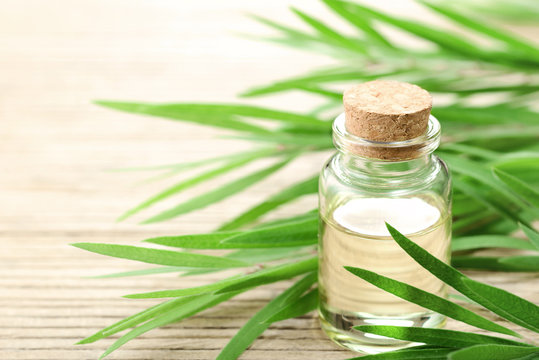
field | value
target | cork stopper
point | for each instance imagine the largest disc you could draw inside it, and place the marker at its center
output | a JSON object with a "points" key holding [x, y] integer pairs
{"points": [[386, 111]]}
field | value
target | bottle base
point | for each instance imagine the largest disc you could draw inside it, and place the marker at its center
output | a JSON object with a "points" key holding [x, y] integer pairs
{"points": [[339, 328]]}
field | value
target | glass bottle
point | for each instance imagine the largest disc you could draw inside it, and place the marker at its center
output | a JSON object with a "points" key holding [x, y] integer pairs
{"points": [[365, 184]]}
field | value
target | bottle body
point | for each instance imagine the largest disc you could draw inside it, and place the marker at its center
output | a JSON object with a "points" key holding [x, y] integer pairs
{"points": [[357, 196]]}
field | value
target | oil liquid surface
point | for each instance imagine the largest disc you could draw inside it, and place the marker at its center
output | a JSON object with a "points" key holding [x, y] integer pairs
{"points": [[354, 234]]}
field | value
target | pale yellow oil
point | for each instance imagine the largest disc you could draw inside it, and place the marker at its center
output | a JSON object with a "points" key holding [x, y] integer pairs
{"points": [[354, 234]]}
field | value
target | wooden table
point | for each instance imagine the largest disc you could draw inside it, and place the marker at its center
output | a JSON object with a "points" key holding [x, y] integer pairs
{"points": [[55, 148]]}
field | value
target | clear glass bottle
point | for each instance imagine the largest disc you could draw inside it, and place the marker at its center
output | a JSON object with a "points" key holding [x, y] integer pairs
{"points": [[409, 188]]}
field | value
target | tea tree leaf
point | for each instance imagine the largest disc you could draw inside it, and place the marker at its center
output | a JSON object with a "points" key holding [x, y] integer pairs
{"points": [[519, 187], [301, 306], [413, 353], [493, 351], [483, 28], [290, 234], [312, 141], [337, 75], [171, 111], [261, 277], [293, 192], [471, 150], [508, 263], [189, 308], [229, 166], [489, 201], [161, 257], [501, 302], [531, 234], [223, 115], [135, 319], [359, 22], [299, 268], [196, 241], [438, 337], [159, 270], [290, 32], [330, 34], [257, 324], [218, 194], [477, 172], [443, 39], [428, 300], [258, 256], [487, 241]]}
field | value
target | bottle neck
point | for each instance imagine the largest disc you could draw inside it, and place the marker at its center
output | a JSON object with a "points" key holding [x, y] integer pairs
{"points": [[374, 173]]}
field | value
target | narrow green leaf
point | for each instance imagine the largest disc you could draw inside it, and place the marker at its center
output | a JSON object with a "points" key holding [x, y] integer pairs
{"points": [[187, 309], [488, 241], [522, 189], [301, 306], [311, 141], [160, 257], [501, 302], [332, 76], [218, 194], [177, 188], [413, 353], [183, 112], [438, 337], [258, 256], [288, 31], [291, 234], [489, 201], [472, 222], [359, 22], [196, 241], [428, 300], [257, 324], [261, 277], [486, 135], [223, 115], [471, 150], [135, 319], [444, 39], [493, 351], [482, 27], [292, 269], [159, 270], [293, 192], [332, 35], [441, 38], [531, 234], [479, 173], [508, 263]]}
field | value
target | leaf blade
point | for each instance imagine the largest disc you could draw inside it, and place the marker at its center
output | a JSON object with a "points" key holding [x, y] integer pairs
{"points": [[438, 337], [492, 351], [257, 325], [160, 257], [264, 276], [293, 192], [509, 306], [218, 194], [427, 300]]}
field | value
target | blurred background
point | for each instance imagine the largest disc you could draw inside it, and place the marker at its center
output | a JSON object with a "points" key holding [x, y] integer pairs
{"points": [[59, 56]]}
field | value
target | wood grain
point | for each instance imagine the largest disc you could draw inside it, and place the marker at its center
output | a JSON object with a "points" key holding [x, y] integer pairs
{"points": [[55, 148]]}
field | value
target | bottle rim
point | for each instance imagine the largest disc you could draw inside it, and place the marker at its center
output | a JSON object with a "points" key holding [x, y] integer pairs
{"points": [[412, 148]]}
